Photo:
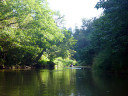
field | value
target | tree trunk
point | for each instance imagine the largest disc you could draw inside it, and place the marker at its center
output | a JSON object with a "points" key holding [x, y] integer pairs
{"points": [[39, 56]]}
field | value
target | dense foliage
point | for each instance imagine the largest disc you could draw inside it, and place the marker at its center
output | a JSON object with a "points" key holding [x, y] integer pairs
{"points": [[103, 42], [32, 34], [28, 30]]}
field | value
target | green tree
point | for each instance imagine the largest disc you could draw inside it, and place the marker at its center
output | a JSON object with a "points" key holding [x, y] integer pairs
{"points": [[112, 35], [107, 45], [27, 28], [83, 47]]}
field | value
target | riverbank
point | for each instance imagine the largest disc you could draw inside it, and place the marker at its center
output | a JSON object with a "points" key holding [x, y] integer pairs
{"points": [[49, 65], [17, 67]]}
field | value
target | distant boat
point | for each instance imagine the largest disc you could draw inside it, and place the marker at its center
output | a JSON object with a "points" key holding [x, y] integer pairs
{"points": [[73, 68], [79, 67], [71, 65]]}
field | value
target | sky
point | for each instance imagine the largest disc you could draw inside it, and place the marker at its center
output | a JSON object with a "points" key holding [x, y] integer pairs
{"points": [[75, 10]]}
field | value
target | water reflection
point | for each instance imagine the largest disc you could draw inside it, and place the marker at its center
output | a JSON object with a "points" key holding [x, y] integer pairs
{"points": [[18, 83], [67, 82], [111, 84], [58, 82]]}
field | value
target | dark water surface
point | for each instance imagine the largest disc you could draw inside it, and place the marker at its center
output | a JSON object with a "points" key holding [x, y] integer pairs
{"points": [[66, 82]]}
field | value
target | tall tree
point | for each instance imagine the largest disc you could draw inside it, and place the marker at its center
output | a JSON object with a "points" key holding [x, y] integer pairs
{"points": [[108, 39], [83, 36], [27, 26]]}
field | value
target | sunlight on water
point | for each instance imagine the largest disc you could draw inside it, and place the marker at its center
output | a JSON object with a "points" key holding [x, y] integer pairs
{"points": [[66, 82]]}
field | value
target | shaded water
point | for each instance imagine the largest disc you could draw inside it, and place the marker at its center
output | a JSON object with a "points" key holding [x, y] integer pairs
{"points": [[66, 82]]}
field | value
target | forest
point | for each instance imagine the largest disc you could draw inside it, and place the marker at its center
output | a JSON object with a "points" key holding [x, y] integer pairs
{"points": [[103, 42], [31, 35]]}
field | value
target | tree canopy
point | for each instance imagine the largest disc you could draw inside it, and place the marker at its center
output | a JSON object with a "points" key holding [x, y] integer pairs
{"points": [[31, 34], [27, 31], [104, 41]]}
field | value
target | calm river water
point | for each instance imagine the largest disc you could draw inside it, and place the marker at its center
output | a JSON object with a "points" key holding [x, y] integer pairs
{"points": [[66, 82]]}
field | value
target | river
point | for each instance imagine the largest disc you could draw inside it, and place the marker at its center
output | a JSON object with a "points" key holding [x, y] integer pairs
{"points": [[64, 82]]}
